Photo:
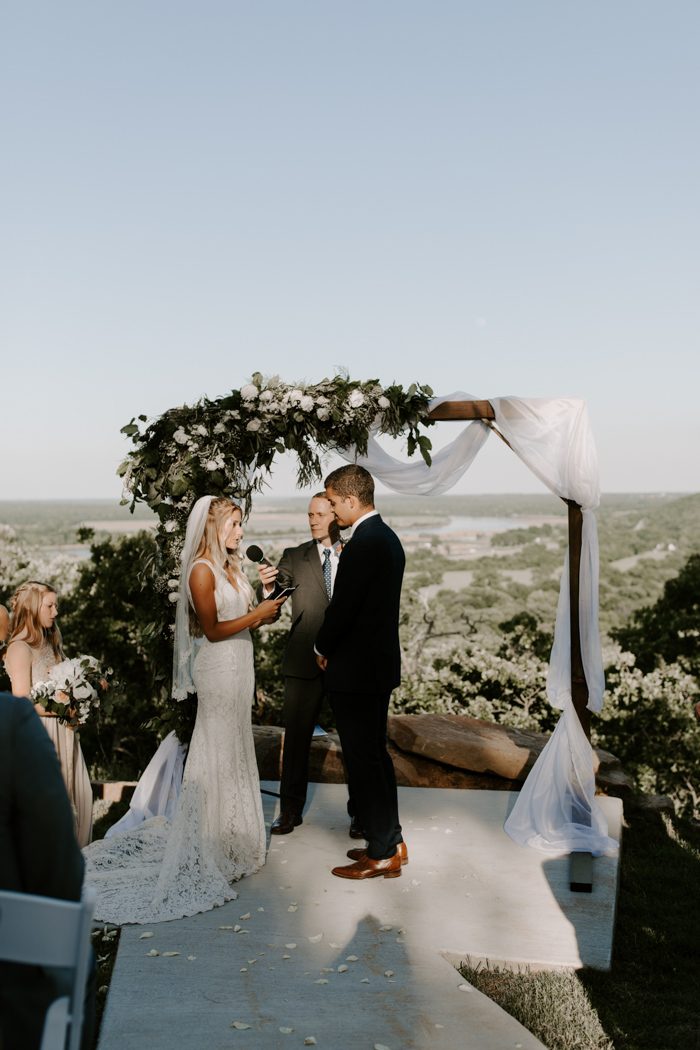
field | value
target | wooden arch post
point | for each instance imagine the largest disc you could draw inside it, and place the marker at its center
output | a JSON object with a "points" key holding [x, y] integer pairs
{"points": [[581, 864]]}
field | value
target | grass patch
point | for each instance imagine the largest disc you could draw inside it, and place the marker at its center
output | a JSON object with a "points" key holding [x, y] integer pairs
{"points": [[553, 1006], [649, 1000]]}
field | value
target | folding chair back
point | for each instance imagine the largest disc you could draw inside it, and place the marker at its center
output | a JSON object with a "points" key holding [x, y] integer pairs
{"points": [[44, 931]]}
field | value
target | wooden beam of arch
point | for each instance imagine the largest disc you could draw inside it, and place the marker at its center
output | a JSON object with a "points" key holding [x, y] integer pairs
{"points": [[463, 410]]}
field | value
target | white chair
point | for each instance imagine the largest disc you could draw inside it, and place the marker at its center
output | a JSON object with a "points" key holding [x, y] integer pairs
{"points": [[44, 931]]}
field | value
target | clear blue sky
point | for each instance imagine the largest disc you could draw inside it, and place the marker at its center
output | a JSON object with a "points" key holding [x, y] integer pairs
{"points": [[498, 197]]}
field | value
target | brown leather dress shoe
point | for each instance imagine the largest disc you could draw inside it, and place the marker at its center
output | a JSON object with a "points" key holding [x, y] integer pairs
{"points": [[366, 868], [401, 849], [286, 822]]}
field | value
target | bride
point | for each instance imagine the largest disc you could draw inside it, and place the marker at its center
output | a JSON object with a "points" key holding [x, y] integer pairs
{"points": [[161, 870]]}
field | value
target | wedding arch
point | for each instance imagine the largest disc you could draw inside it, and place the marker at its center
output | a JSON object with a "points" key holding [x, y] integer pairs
{"points": [[227, 446]]}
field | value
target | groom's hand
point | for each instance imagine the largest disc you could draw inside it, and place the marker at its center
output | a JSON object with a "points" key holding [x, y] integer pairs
{"points": [[322, 661]]}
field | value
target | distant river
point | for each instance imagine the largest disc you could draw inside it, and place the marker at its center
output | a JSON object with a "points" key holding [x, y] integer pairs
{"points": [[465, 524]]}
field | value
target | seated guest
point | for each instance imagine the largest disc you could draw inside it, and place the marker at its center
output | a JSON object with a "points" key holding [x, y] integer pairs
{"points": [[38, 855]]}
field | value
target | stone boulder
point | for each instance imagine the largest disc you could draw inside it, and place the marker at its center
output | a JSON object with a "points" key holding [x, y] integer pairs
{"points": [[484, 747], [447, 751]]}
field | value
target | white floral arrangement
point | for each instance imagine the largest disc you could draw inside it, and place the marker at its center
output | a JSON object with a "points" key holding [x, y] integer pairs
{"points": [[73, 690], [227, 446]]}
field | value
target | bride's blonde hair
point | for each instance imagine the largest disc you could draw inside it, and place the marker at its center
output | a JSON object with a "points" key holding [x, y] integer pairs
{"points": [[210, 545], [219, 509], [25, 605]]}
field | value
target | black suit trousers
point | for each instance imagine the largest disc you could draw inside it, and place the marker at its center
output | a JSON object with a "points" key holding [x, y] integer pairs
{"points": [[361, 719], [302, 705]]}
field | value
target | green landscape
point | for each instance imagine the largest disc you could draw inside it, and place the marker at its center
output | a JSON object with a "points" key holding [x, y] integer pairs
{"points": [[478, 608]]}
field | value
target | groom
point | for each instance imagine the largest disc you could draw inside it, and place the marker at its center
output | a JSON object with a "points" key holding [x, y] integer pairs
{"points": [[358, 648]]}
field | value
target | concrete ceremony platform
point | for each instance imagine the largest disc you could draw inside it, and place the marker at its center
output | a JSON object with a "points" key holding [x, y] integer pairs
{"points": [[356, 965]]}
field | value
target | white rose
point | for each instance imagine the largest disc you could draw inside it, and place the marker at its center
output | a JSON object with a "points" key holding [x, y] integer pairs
{"points": [[180, 436], [173, 584], [383, 402], [211, 464], [170, 526], [266, 395], [322, 413], [253, 424], [356, 399], [249, 392], [172, 596], [220, 428], [306, 403], [295, 396], [201, 429]]}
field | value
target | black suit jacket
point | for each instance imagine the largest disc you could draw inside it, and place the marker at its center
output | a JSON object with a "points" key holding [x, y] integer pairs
{"points": [[360, 631], [38, 854], [302, 566]]}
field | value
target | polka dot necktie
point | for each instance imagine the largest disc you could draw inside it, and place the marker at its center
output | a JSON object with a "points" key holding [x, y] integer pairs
{"points": [[327, 570]]}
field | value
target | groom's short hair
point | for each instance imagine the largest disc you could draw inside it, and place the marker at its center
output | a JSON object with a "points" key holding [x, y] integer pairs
{"points": [[352, 480]]}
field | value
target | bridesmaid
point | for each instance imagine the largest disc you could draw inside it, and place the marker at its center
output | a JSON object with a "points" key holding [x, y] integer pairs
{"points": [[33, 647]]}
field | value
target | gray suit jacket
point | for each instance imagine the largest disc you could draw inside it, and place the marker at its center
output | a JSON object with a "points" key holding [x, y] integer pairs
{"points": [[302, 566]]}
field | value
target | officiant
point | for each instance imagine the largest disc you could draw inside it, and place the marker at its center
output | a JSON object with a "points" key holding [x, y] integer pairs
{"points": [[311, 568]]}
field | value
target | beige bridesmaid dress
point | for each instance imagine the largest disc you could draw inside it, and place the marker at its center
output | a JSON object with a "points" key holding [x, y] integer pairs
{"points": [[70, 755]]}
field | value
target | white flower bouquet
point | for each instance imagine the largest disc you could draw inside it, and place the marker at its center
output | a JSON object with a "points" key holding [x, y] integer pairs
{"points": [[73, 689]]}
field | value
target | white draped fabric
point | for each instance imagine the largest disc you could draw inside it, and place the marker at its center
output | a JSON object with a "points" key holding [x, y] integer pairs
{"points": [[157, 791], [556, 810]]}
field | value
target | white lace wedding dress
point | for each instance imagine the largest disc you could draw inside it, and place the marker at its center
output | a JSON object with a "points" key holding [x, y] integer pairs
{"points": [[162, 870]]}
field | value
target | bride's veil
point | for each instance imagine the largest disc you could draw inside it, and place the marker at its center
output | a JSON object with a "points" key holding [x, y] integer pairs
{"points": [[183, 650]]}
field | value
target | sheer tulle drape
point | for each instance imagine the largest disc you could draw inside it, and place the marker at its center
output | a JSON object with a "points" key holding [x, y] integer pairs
{"points": [[556, 809]]}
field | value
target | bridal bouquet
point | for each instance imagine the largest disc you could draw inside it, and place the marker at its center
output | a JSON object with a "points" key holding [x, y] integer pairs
{"points": [[73, 689]]}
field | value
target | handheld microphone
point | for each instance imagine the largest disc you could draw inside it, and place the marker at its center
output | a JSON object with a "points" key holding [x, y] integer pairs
{"points": [[278, 588], [255, 554]]}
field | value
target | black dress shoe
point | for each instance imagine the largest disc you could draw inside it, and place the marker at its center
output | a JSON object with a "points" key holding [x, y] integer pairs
{"points": [[356, 831], [286, 822]]}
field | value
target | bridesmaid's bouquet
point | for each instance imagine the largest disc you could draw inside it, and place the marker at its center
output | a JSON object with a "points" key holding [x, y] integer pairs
{"points": [[73, 690]]}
